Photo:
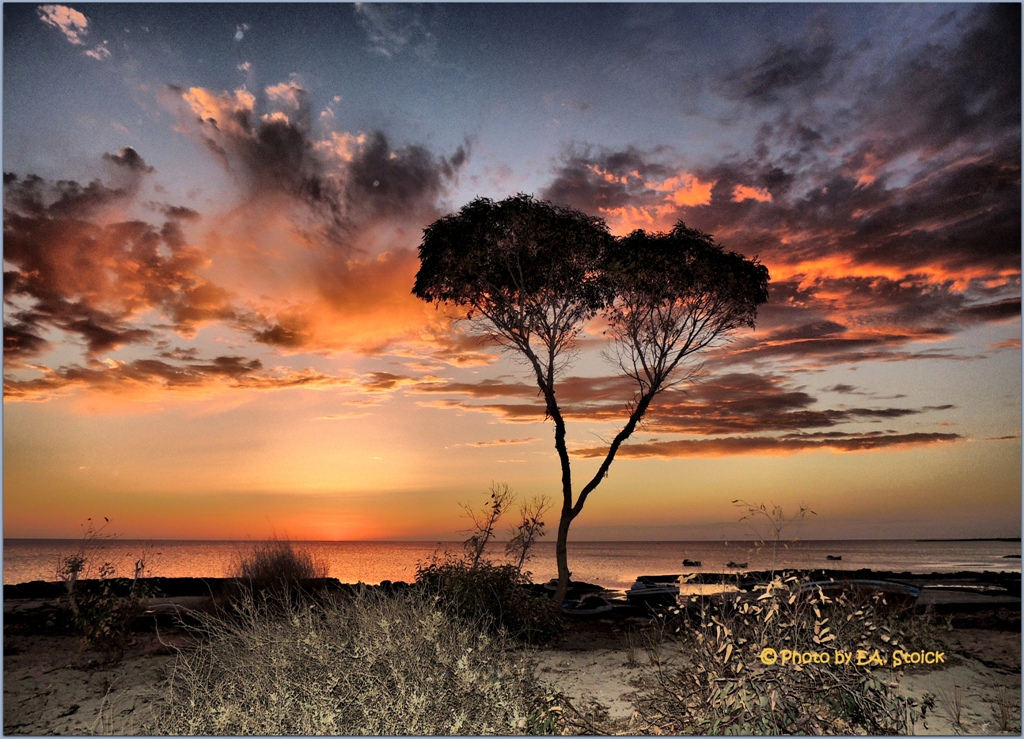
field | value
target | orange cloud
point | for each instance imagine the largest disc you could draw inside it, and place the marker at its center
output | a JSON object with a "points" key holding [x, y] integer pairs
{"points": [[685, 189], [742, 192]]}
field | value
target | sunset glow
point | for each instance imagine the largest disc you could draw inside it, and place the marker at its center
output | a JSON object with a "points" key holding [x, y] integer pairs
{"points": [[210, 242]]}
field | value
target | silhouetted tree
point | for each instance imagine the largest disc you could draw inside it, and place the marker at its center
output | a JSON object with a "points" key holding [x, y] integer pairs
{"points": [[530, 275]]}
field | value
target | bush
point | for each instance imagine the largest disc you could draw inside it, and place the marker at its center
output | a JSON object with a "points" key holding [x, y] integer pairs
{"points": [[727, 690], [495, 595], [277, 566], [372, 665], [102, 610]]}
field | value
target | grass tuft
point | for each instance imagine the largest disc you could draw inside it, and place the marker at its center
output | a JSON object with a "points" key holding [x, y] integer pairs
{"points": [[277, 566], [374, 664]]}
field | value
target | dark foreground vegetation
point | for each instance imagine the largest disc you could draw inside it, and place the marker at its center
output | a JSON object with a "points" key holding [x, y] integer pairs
{"points": [[280, 649]]}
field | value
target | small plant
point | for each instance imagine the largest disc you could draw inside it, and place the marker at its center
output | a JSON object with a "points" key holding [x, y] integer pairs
{"points": [[485, 521], [952, 701], [631, 660], [525, 535], [104, 609], [1004, 711], [776, 521], [496, 595]]}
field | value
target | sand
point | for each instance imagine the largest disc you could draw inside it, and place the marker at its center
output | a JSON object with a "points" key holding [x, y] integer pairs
{"points": [[54, 684]]}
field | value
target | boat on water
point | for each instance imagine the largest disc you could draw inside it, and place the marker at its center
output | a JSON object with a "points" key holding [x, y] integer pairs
{"points": [[652, 592], [591, 605], [736, 566], [691, 563], [834, 557]]}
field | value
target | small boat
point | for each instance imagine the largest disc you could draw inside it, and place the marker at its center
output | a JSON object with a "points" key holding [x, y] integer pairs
{"points": [[691, 563], [591, 605], [898, 592], [1011, 556], [735, 566], [648, 592], [833, 557]]}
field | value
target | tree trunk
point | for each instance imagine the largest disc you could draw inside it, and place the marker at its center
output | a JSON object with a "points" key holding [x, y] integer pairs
{"points": [[562, 556]]}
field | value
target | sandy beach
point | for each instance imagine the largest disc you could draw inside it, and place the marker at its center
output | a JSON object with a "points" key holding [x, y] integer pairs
{"points": [[55, 684]]}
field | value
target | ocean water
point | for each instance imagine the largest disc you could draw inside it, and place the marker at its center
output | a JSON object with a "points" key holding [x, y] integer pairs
{"points": [[610, 564]]}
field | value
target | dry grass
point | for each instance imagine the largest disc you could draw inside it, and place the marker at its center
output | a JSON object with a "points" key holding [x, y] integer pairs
{"points": [[275, 565], [952, 702], [372, 665]]}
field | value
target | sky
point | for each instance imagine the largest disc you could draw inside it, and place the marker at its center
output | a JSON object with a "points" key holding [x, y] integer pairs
{"points": [[212, 216]]}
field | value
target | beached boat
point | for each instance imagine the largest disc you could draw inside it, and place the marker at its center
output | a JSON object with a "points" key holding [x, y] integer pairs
{"points": [[655, 593], [592, 605], [691, 563], [894, 592]]}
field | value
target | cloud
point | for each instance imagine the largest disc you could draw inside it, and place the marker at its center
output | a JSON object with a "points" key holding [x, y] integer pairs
{"points": [[95, 280], [800, 67], [149, 379], [725, 403], [345, 182], [393, 29], [761, 445], [502, 442], [99, 53], [896, 225], [129, 159], [75, 27], [72, 23]]}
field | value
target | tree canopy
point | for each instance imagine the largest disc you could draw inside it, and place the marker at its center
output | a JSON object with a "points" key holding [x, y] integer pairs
{"points": [[531, 275]]}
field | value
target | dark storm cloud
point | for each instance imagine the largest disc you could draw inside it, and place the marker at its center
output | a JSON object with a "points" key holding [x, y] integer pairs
{"points": [[268, 155], [782, 69], [275, 153], [895, 210], [971, 88], [90, 279], [129, 159], [387, 182], [22, 341]]}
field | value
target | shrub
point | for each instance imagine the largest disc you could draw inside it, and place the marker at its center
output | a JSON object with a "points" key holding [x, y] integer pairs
{"points": [[277, 566], [103, 610], [371, 665], [727, 690], [495, 595]]}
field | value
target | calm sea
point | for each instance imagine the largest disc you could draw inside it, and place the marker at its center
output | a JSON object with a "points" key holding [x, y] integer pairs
{"points": [[611, 564]]}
